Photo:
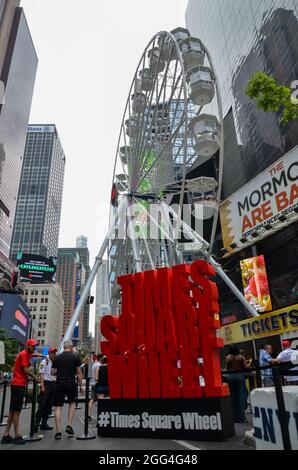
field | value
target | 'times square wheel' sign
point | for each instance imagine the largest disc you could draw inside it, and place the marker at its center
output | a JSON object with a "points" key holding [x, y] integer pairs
{"points": [[163, 358]]}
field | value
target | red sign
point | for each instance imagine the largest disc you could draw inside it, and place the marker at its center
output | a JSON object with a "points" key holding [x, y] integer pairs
{"points": [[165, 340]]}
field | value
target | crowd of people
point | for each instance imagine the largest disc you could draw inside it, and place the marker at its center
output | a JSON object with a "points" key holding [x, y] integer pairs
{"points": [[57, 375], [238, 364]]}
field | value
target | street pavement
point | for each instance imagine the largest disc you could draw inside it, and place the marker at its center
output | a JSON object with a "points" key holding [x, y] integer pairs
{"points": [[104, 444]]}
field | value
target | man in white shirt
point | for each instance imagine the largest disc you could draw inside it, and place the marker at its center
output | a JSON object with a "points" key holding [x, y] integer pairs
{"points": [[289, 355], [94, 379], [47, 384]]}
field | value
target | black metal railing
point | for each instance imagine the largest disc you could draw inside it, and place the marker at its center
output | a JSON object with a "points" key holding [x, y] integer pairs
{"points": [[278, 372]]}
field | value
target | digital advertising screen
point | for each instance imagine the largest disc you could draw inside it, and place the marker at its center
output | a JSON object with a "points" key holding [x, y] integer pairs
{"points": [[255, 283], [36, 269], [14, 316]]}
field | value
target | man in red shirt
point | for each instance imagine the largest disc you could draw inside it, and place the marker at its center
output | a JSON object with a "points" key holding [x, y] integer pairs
{"points": [[21, 374]]}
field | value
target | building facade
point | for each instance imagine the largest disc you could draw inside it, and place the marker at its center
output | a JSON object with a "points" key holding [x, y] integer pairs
{"points": [[46, 308], [243, 38], [102, 302], [38, 212], [83, 253], [18, 71], [72, 273], [67, 274]]}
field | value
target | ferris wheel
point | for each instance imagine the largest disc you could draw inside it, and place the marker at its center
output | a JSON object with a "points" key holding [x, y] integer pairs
{"points": [[165, 138], [169, 157]]}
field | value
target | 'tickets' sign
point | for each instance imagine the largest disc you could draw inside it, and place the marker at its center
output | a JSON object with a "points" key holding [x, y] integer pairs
{"points": [[271, 194], [165, 345]]}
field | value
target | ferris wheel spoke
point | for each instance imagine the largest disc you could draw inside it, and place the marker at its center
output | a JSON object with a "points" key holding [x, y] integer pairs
{"points": [[168, 142], [160, 154], [147, 136], [144, 111]]}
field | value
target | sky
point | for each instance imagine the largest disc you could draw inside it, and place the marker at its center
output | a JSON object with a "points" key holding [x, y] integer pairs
{"points": [[88, 52]]}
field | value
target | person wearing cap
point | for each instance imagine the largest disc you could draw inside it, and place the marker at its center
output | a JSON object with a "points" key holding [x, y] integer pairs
{"points": [[47, 385], [289, 355], [21, 373]]}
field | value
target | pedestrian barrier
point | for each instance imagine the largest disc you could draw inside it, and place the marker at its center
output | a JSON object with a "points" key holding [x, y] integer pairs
{"points": [[31, 437], [3, 422], [278, 371], [86, 436], [77, 395], [26, 406]]}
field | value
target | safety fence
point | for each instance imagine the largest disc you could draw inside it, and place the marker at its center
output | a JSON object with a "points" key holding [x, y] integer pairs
{"points": [[279, 372]]}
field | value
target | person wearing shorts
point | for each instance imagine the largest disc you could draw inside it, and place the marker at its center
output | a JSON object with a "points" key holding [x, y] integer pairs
{"points": [[66, 366], [18, 391]]}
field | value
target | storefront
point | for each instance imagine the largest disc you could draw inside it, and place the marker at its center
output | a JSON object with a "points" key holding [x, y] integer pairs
{"points": [[252, 334]]}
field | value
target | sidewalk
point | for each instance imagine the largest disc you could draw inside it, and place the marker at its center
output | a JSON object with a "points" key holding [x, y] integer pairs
{"points": [[104, 444]]}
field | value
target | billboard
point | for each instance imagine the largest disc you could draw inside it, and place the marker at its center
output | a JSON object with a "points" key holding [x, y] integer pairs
{"points": [[277, 322], [14, 317], [269, 196], [255, 283], [36, 269]]}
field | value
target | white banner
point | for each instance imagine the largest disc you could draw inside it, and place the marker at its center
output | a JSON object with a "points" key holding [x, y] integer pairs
{"points": [[262, 201], [41, 129], [266, 419]]}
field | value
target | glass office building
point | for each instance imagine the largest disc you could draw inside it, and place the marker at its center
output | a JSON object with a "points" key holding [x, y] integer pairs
{"points": [[38, 213], [18, 75], [243, 37]]}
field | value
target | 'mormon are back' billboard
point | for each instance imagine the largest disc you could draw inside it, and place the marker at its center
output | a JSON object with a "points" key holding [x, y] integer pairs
{"points": [[261, 202]]}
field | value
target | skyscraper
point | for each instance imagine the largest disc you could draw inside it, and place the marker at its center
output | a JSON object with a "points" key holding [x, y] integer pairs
{"points": [[37, 221], [81, 242], [18, 65], [73, 271], [102, 299], [243, 38], [68, 264], [84, 323]]}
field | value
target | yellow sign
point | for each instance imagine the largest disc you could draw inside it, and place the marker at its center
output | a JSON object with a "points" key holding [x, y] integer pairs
{"points": [[274, 323]]}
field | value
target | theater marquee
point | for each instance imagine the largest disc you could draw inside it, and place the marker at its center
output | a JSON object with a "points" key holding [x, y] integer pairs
{"points": [[260, 203]]}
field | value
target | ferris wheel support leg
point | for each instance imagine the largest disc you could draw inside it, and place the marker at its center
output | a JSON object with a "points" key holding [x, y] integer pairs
{"points": [[205, 245], [133, 239], [232, 286], [98, 261]]}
